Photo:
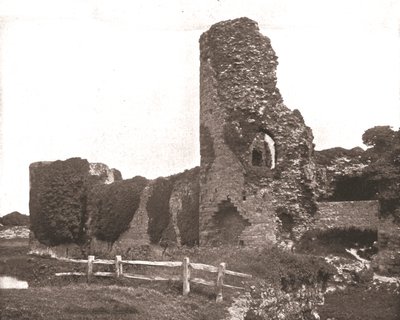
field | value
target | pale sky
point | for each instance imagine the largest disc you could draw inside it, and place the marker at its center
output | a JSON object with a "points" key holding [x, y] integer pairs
{"points": [[117, 82]]}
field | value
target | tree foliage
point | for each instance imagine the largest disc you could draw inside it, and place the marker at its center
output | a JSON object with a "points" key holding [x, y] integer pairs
{"points": [[379, 137], [384, 166], [15, 219]]}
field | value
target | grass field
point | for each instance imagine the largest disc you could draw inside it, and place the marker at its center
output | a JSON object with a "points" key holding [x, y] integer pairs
{"points": [[106, 302], [362, 303], [50, 297]]}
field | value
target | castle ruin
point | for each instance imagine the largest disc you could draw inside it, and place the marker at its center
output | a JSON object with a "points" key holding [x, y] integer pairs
{"points": [[256, 184]]}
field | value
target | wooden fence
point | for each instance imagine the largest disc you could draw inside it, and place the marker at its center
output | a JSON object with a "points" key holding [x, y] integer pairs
{"points": [[186, 278]]}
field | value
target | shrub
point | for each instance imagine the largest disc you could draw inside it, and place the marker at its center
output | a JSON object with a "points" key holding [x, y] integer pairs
{"points": [[15, 219], [288, 270]]}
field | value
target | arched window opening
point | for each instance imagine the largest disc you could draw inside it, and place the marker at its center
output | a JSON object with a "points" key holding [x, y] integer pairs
{"points": [[263, 151]]}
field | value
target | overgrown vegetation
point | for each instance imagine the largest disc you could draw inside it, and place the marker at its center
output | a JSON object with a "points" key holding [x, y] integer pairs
{"points": [[188, 219], [158, 208], [279, 268], [373, 174], [15, 219], [58, 298], [97, 302], [335, 241], [361, 303], [113, 207], [326, 157], [384, 168], [58, 201]]}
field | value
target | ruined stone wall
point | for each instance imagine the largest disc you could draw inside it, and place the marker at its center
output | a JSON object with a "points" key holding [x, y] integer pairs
{"points": [[347, 214], [164, 211], [81, 207], [239, 102], [339, 175], [387, 261], [184, 208]]}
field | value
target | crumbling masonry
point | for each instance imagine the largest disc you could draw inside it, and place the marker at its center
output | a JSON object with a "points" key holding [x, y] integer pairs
{"points": [[256, 185], [256, 168]]}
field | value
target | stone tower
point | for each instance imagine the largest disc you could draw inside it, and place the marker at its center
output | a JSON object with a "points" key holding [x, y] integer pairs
{"points": [[256, 176]]}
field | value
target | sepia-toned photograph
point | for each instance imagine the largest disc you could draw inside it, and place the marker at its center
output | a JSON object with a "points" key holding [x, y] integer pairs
{"points": [[199, 160]]}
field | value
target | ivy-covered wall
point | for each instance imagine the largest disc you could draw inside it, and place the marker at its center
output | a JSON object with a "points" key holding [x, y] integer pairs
{"points": [[158, 209], [112, 207], [173, 209], [87, 204], [184, 207], [58, 199]]}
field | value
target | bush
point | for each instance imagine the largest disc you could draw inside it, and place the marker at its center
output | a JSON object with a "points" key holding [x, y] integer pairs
{"points": [[288, 270], [15, 219], [280, 269]]}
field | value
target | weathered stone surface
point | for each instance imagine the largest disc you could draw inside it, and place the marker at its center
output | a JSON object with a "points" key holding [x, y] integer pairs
{"points": [[347, 214], [184, 207], [255, 152], [387, 261], [339, 175], [104, 174]]}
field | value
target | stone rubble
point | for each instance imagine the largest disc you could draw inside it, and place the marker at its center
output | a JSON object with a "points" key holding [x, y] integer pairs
{"points": [[18, 232]]}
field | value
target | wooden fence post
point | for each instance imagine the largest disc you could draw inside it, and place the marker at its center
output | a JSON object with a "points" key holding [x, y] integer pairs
{"points": [[118, 266], [186, 276], [90, 268], [220, 281]]}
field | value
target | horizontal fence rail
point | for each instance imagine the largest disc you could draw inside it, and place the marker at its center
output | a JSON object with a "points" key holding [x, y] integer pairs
{"points": [[185, 277]]}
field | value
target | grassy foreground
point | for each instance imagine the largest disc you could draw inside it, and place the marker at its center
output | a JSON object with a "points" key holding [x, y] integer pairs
{"points": [[100, 302], [59, 298], [50, 297], [362, 303]]}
